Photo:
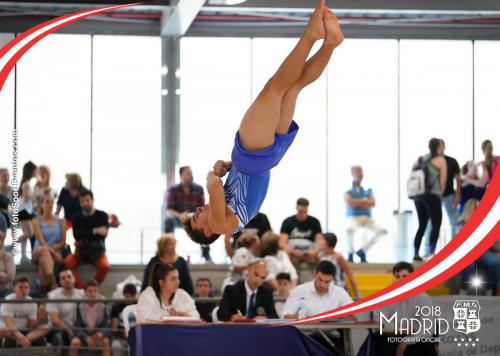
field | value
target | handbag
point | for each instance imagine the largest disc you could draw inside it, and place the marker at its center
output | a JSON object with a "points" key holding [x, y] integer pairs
{"points": [[91, 249]]}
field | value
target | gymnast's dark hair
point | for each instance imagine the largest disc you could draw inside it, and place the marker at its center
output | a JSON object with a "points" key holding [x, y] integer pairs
{"points": [[197, 236], [159, 272]]}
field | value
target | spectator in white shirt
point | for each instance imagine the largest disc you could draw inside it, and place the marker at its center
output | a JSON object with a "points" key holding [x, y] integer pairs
{"points": [[63, 315], [317, 296], [21, 320], [164, 298], [277, 260], [248, 248]]}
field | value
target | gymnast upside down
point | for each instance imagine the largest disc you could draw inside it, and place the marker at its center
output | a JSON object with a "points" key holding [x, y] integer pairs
{"points": [[265, 134]]}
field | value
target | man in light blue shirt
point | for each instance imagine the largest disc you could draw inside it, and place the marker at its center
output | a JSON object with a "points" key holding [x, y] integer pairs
{"points": [[359, 203]]}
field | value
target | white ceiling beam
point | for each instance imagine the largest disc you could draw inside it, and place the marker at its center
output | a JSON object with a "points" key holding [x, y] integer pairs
{"points": [[177, 20]]}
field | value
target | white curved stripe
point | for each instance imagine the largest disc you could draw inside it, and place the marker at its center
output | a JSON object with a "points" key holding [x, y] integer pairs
{"points": [[475, 238], [11, 52]]}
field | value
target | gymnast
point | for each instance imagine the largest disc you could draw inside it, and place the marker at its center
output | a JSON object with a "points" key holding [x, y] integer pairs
{"points": [[265, 134]]}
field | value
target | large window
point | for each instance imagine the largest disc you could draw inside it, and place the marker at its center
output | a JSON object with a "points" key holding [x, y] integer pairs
{"points": [[362, 108], [6, 113], [436, 100], [53, 106], [215, 92], [302, 172], [126, 140], [487, 103], [93, 106]]}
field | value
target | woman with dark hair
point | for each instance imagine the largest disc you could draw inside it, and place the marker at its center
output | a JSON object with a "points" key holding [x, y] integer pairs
{"points": [[429, 206], [68, 198], [163, 296], [266, 132], [26, 213]]}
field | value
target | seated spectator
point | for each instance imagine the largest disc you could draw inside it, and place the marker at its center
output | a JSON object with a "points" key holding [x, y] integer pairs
{"points": [[42, 188], [317, 296], [164, 297], [7, 268], [90, 228], [204, 290], [469, 191], [166, 254], [21, 320], [258, 225], [69, 199], [488, 166], [5, 188], [248, 248], [91, 321], [63, 315], [277, 260], [325, 250], [360, 202], [119, 337], [4, 219], [49, 248], [404, 309], [298, 232], [282, 291], [248, 299]]}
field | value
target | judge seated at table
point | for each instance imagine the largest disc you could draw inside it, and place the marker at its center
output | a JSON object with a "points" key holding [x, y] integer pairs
{"points": [[317, 296], [163, 297], [249, 298]]}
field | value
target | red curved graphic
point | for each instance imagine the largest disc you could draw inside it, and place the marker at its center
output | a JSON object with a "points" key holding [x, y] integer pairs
{"points": [[10, 54]]}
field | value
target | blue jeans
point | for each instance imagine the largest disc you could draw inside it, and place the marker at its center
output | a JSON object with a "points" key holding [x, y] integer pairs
{"points": [[491, 262], [451, 211]]}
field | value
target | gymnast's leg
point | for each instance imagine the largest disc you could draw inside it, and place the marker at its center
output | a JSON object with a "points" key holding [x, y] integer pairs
{"points": [[312, 70], [259, 124]]}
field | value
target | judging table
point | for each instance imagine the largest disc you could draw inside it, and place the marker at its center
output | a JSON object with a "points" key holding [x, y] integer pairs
{"points": [[241, 339]]}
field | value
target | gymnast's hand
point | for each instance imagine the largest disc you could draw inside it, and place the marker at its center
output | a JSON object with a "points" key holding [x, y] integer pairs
{"points": [[220, 168], [212, 180]]}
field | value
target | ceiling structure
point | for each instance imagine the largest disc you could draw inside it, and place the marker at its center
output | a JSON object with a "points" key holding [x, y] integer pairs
{"points": [[460, 19]]}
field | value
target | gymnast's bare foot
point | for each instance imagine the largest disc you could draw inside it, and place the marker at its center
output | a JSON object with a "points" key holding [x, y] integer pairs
{"points": [[315, 30], [334, 35]]}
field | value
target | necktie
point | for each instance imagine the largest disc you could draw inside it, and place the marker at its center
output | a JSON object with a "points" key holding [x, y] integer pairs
{"points": [[251, 311]]}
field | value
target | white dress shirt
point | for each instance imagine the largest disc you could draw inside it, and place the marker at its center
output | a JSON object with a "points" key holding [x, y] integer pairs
{"points": [[149, 307], [315, 303]]}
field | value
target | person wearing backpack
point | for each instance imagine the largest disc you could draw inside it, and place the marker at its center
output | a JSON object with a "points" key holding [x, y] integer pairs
{"points": [[432, 170]]}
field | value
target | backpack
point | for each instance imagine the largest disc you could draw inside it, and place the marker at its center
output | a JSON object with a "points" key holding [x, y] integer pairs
{"points": [[419, 184]]}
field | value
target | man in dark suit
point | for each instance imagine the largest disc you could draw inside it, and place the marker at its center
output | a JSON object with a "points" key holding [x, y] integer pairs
{"points": [[248, 299]]}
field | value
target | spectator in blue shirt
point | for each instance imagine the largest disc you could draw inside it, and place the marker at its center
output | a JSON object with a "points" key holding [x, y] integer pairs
{"points": [[359, 203]]}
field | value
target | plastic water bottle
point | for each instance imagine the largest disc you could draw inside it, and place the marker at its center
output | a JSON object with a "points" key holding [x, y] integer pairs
{"points": [[302, 313]]}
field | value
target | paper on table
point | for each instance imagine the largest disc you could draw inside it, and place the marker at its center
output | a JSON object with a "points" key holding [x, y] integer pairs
{"points": [[179, 318]]}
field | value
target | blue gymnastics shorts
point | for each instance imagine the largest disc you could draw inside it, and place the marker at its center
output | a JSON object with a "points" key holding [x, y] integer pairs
{"points": [[260, 162]]}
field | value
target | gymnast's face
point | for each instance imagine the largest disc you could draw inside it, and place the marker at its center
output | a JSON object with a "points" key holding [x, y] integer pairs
{"points": [[200, 220]]}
